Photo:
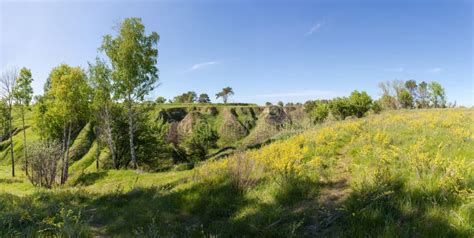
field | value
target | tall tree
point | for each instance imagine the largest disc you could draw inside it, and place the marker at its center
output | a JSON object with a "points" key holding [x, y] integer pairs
{"points": [[411, 86], [134, 56], [101, 83], [225, 93], [8, 82], [437, 94], [23, 93], [68, 105], [423, 95]]}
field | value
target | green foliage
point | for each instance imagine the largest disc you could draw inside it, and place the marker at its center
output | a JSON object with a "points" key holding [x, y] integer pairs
{"points": [[23, 92], [423, 95], [320, 111], [405, 99], [225, 93], [203, 138], [437, 95], [133, 55], [377, 107], [188, 97], [360, 103], [160, 100], [204, 98], [340, 108], [66, 102]]}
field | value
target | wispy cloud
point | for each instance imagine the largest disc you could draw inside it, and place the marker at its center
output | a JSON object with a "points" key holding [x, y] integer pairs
{"points": [[304, 93], [314, 28], [399, 69], [435, 70], [201, 65]]}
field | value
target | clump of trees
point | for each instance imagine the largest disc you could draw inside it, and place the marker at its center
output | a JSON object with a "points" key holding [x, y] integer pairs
{"points": [[357, 105], [409, 94]]}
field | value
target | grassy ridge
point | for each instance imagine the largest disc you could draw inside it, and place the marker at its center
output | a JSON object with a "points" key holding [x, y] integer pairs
{"points": [[401, 173]]}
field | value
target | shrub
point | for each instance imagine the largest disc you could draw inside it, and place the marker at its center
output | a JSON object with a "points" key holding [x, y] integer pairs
{"points": [[340, 108], [376, 107], [201, 140], [320, 111], [240, 169], [44, 157], [360, 103]]}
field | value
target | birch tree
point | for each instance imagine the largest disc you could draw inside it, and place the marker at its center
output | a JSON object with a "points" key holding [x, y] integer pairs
{"points": [[101, 83], [23, 93], [69, 101], [133, 55], [8, 82]]}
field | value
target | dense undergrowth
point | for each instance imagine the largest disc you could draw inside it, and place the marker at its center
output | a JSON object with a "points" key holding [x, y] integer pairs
{"points": [[401, 173]]}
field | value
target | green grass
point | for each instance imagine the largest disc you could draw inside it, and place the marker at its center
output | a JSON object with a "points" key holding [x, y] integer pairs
{"points": [[367, 186]]}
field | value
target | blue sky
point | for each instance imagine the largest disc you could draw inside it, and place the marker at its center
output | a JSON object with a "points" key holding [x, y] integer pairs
{"points": [[266, 51]]}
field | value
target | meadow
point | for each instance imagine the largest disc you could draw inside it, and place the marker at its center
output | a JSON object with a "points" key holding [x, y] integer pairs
{"points": [[403, 173]]}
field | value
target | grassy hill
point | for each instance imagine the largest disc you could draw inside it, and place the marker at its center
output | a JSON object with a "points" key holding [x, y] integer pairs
{"points": [[400, 173]]}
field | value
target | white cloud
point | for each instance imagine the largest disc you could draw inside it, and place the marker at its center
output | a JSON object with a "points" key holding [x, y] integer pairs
{"points": [[305, 93], [315, 28], [201, 65], [435, 70]]}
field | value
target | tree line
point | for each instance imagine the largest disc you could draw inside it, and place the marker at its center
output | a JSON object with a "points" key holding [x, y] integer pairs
{"points": [[192, 97]]}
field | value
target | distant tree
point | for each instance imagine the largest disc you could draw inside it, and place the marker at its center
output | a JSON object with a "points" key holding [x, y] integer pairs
{"points": [[405, 99], [8, 84], [280, 104], [411, 86], [423, 95], [360, 103], [100, 80], [268, 104], [340, 108], [134, 56], [160, 100], [437, 95], [23, 93], [225, 93], [204, 98], [388, 99], [188, 97]]}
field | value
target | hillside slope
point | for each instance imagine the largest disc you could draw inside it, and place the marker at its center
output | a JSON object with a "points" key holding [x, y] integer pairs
{"points": [[401, 173]]}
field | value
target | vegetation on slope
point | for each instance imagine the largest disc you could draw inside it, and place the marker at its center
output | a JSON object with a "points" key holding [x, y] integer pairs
{"points": [[401, 173]]}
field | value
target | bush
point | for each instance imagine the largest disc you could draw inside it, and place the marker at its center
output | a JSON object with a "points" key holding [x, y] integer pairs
{"points": [[340, 108], [44, 157], [320, 111], [201, 140], [376, 107], [240, 169], [360, 103]]}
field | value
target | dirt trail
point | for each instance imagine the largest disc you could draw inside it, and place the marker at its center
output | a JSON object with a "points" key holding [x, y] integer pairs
{"points": [[334, 191]]}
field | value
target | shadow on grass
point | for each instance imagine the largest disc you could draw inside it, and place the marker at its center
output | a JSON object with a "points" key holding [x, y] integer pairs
{"points": [[10, 180], [390, 209], [385, 209], [87, 179]]}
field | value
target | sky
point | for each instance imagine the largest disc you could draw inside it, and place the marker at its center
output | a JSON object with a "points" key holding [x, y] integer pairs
{"points": [[289, 51]]}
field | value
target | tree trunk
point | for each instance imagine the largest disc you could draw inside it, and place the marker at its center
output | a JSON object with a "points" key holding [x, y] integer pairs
{"points": [[11, 140], [66, 162], [25, 148], [130, 132], [63, 152], [97, 150], [110, 139]]}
